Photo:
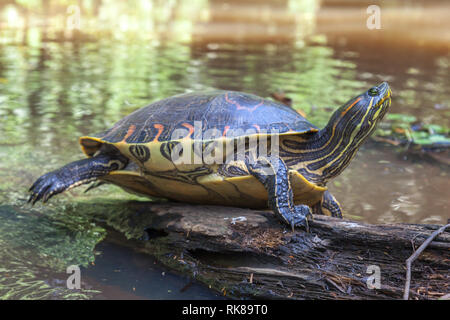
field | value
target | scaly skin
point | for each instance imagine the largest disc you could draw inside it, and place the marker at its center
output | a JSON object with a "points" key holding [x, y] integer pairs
{"points": [[329, 205], [75, 174], [273, 173]]}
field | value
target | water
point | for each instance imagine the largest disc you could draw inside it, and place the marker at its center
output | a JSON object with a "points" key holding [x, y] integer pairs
{"points": [[120, 273], [52, 92]]}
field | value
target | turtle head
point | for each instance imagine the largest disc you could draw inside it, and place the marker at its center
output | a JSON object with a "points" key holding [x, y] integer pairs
{"points": [[356, 119], [348, 128]]}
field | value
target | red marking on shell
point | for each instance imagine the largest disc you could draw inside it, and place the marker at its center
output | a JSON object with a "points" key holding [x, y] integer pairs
{"points": [[160, 128], [190, 127], [130, 131], [225, 131], [239, 107]]}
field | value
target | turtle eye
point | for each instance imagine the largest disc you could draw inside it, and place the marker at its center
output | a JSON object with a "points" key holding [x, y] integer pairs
{"points": [[373, 91]]}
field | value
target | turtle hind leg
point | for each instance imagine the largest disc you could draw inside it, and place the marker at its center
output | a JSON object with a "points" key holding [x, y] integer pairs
{"points": [[329, 206], [273, 173], [74, 174]]}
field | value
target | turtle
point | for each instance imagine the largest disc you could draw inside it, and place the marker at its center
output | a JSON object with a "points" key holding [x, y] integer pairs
{"points": [[227, 148]]}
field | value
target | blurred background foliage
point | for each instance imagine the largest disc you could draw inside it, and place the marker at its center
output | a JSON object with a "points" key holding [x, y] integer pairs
{"points": [[83, 64]]}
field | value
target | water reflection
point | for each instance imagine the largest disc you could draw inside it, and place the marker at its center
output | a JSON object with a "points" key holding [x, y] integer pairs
{"points": [[382, 187], [123, 274], [65, 90]]}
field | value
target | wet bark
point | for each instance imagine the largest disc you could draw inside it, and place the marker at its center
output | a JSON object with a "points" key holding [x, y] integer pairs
{"points": [[248, 253]]}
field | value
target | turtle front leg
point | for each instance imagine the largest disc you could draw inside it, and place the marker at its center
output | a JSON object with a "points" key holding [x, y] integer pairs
{"points": [[273, 173], [75, 174], [329, 205]]}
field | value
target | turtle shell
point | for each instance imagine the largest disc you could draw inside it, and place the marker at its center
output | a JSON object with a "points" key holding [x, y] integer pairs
{"points": [[147, 135], [221, 110]]}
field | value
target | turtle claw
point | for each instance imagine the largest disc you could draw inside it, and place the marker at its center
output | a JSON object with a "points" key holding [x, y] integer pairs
{"points": [[94, 185], [46, 187], [300, 216]]}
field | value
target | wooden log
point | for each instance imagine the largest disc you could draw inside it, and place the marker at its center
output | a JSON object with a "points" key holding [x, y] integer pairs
{"points": [[249, 253]]}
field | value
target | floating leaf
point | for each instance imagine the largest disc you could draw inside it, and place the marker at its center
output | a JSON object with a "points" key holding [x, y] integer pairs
{"points": [[401, 117]]}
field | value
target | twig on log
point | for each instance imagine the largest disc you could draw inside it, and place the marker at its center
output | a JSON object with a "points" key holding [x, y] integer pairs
{"points": [[415, 255]]}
